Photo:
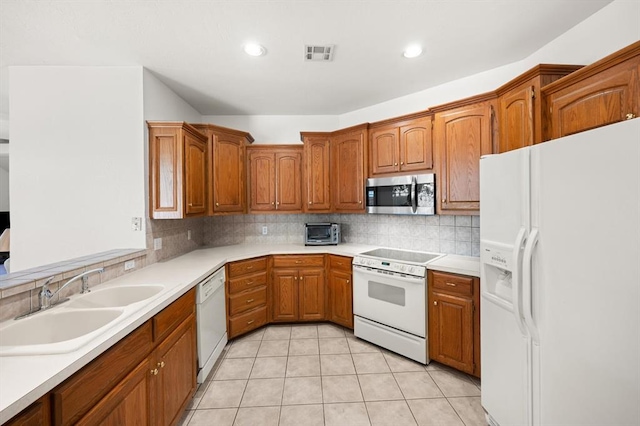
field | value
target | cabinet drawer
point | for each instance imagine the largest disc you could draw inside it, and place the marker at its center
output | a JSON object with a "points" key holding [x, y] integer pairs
{"points": [[453, 284], [298, 261], [237, 285], [247, 321], [247, 266], [340, 263], [247, 300], [84, 389], [173, 315]]}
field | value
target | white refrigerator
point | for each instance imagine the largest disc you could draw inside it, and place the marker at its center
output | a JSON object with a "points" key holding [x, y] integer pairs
{"points": [[560, 280]]}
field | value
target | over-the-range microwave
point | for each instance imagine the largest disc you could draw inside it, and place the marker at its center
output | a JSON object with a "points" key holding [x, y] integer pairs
{"points": [[413, 194]]}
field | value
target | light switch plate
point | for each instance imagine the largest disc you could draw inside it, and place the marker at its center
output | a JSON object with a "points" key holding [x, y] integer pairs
{"points": [[130, 264], [265, 230], [157, 243], [188, 234]]}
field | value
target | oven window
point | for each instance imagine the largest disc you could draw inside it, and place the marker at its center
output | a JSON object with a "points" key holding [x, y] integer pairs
{"points": [[319, 232], [386, 293]]}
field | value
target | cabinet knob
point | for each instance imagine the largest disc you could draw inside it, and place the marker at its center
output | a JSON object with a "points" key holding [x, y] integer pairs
{"points": [[295, 278], [630, 116], [348, 281], [435, 302], [161, 364], [154, 372], [402, 163], [359, 201], [310, 202], [300, 278], [395, 164], [444, 200], [272, 203], [277, 203], [249, 300], [217, 204]]}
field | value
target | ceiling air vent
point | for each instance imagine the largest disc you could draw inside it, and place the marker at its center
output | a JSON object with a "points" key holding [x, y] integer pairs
{"points": [[318, 53]]}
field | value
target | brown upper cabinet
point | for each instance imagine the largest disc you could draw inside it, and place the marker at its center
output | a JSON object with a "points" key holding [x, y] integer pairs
{"points": [[275, 178], [316, 187], [463, 132], [226, 173], [520, 106], [602, 93], [401, 145], [348, 159], [177, 171]]}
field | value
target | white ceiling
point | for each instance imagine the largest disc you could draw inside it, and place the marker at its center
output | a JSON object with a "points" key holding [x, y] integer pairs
{"points": [[195, 47]]}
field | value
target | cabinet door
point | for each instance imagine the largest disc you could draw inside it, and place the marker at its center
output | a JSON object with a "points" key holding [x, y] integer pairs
{"points": [[285, 294], [195, 176], [166, 162], [288, 181], [516, 119], [463, 136], [451, 331], [384, 151], [341, 298], [317, 189], [262, 181], [416, 147], [311, 294], [348, 172], [175, 383], [605, 98], [37, 414], [228, 181], [126, 404]]}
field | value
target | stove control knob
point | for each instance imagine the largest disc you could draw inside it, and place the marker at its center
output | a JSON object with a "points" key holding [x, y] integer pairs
{"points": [[403, 268], [412, 269], [369, 262]]}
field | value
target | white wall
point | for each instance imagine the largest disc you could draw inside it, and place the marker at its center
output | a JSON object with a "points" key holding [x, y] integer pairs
{"points": [[612, 28], [276, 129], [4, 190], [77, 175]]}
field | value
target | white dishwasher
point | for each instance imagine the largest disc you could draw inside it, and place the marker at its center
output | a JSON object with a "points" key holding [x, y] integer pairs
{"points": [[212, 323]]}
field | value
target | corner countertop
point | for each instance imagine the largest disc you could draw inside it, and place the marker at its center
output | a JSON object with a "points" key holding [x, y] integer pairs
{"points": [[24, 379]]}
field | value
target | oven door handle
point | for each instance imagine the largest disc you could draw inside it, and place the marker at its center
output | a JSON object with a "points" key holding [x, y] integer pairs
{"points": [[413, 195], [363, 270]]}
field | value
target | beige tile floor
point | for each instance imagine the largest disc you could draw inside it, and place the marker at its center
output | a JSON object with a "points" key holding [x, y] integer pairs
{"points": [[323, 375]]}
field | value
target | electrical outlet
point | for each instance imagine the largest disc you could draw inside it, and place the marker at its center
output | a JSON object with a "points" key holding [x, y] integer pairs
{"points": [[265, 231], [136, 224], [157, 243], [129, 265], [188, 234]]}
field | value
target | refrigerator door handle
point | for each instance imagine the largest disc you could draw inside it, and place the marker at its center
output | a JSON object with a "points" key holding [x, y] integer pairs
{"points": [[527, 289], [517, 280]]}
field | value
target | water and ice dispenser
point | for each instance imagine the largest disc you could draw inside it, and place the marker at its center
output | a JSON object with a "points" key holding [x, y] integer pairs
{"points": [[498, 266]]}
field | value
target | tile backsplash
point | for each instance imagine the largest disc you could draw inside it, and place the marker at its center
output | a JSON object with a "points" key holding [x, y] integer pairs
{"points": [[443, 234]]}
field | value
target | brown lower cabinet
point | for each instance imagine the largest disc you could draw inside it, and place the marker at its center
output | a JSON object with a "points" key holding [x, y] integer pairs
{"points": [[247, 295], [340, 285], [298, 293], [454, 321], [147, 378]]}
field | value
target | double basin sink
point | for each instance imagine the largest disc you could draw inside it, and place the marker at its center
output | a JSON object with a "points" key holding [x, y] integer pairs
{"points": [[71, 325]]}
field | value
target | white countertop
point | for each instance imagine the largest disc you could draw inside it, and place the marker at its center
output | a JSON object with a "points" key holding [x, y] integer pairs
{"points": [[24, 379]]}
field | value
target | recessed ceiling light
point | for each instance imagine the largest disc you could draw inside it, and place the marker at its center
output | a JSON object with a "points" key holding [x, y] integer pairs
{"points": [[412, 51], [254, 49]]}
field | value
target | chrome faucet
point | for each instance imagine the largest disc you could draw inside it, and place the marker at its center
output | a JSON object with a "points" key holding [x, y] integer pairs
{"points": [[45, 295]]}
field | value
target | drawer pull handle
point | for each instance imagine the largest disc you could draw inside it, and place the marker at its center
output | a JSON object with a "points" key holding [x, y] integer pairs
{"points": [[161, 364], [249, 282], [250, 300], [250, 322], [451, 284], [250, 267], [154, 372], [298, 262], [340, 263]]}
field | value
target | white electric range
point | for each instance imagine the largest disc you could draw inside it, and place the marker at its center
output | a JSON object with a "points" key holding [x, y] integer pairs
{"points": [[390, 300]]}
